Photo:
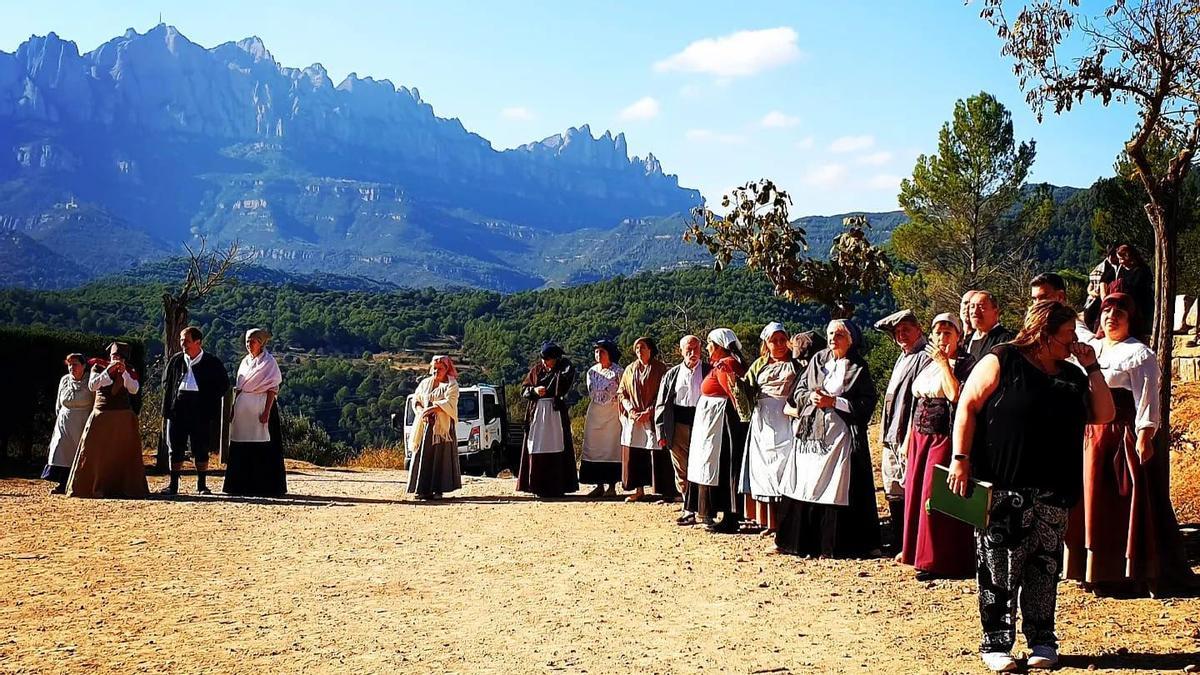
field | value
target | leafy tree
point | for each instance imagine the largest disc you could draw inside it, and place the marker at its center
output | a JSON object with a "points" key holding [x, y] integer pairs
{"points": [[962, 233], [1143, 53], [757, 230]]}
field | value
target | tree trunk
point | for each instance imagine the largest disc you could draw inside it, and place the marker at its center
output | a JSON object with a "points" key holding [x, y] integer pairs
{"points": [[175, 319], [1173, 573]]}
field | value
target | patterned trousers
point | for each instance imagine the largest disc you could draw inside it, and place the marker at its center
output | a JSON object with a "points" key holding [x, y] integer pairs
{"points": [[1020, 557]]}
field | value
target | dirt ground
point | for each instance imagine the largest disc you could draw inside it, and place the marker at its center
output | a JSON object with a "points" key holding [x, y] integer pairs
{"points": [[345, 576]]}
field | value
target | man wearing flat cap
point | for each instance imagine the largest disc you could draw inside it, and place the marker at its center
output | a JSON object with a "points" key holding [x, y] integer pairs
{"points": [[898, 410]]}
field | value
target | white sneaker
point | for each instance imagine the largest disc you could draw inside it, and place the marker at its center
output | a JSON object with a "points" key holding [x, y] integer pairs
{"points": [[1000, 662], [1043, 657]]}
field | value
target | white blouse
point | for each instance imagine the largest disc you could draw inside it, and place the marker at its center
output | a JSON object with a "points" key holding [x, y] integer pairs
{"points": [[835, 382], [602, 383], [1131, 365], [928, 383]]}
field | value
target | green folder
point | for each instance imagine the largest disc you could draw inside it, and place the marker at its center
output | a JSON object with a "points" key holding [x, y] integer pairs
{"points": [[972, 509]]}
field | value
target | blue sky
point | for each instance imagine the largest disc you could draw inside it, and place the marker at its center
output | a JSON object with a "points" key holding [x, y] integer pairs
{"points": [[833, 100]]}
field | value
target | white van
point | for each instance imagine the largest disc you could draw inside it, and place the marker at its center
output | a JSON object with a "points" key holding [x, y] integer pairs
{"points": [[480, 432]]}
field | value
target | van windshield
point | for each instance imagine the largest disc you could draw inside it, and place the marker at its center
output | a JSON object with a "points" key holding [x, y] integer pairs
{"points": [[468, 408]]}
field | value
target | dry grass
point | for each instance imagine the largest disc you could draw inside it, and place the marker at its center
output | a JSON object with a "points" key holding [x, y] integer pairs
{"points": [[1185, 452], [391, 457]]}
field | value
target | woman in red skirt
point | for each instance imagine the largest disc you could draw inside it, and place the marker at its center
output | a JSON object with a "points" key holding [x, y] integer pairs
{"points": [[934, 543]]}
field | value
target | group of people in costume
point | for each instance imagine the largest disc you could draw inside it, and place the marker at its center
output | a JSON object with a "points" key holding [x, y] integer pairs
{"points": [[1059, 417], [96, 445]]}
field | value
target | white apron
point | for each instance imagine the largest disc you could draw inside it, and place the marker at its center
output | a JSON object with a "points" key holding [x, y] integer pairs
{"points": [[818, 469], [769, 442], [245, 427], [708, 434], [602, 433], [640, 435], [75, 401], [545, 429]]}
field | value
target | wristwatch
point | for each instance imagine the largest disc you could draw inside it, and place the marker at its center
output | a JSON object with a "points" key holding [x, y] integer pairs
{"points": [[961, 458]]}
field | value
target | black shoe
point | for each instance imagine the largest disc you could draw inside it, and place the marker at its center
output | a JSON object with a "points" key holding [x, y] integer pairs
{"points": [[203, 491], [168, 490], [923, 575], [686, 520], [726, 526]]}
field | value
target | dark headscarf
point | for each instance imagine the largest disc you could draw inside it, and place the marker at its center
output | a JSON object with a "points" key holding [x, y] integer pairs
{"points": [[614, 352], [550, 350], [123, 350]]}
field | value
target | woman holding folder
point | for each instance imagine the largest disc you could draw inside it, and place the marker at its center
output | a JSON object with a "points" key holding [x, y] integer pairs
{"points": [[1020, 425]]}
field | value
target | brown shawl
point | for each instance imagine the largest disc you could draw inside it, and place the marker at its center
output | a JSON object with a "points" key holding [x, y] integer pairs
{"points": [[639, 386]]}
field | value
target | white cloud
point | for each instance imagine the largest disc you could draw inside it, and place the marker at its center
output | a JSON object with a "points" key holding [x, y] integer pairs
{"points": [[884, 181], [518, 113], [778, 120], [805, 143], [851, 143], [644, 108], [876, 158], [742, 53], [710, 136], [825, 175]]}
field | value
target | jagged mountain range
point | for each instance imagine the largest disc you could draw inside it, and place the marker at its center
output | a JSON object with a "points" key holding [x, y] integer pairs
{"points": [[118, 156]]}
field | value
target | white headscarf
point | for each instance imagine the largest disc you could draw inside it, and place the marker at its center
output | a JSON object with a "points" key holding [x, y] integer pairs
{"points": [[771, 329], [725, 338]]}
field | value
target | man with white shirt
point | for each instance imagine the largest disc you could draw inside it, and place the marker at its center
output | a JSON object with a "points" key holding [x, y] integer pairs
{"points": [[674, 411], [194, 383]]}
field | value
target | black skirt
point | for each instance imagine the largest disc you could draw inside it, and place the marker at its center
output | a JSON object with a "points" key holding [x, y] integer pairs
{"points": [[599, 473], [256, 469], [852, 530]]}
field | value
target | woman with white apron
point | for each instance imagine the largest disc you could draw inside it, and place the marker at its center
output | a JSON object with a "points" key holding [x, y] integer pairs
{"points": [[718, 438], [643, 461], [600, 464], [72, 406], [828, 492], [548, 453], [254, 464], [771, 434]]}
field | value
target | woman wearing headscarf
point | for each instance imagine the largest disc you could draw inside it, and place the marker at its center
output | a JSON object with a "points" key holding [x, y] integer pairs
{"points": [[771, 435], [1019, 425], [718, 437], [600, 464], [828, 505], [1113, 532], [643, 462], [72, 406], [435, 469], [934, 543], [547, 454], [109, 461], [254, 463]]}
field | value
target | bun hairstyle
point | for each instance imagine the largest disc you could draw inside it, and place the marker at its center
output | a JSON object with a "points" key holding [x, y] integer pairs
{"points": [[1042, 319]]}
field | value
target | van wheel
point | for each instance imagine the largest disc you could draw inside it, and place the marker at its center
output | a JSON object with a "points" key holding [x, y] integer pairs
{"points": [[496, 465]]}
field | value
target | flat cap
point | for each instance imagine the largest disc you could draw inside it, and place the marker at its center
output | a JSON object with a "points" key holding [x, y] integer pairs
{"points": [[888, 323]]}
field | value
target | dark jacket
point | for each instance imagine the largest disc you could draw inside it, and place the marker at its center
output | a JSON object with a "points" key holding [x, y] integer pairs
{"points": [[664, 406], [211, 380]]}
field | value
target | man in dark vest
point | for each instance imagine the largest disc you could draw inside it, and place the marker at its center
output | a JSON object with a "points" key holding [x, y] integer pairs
{"points": [[985, 316], [194, 384], [674, 411]]}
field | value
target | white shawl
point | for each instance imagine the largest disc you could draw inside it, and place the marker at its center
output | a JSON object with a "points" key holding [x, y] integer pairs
{"points": [[444, 398], [258, 375]]}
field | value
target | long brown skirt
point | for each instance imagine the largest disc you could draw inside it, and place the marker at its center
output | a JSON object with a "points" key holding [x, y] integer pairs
{"points": [[109, 462], [1111, 534]]}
